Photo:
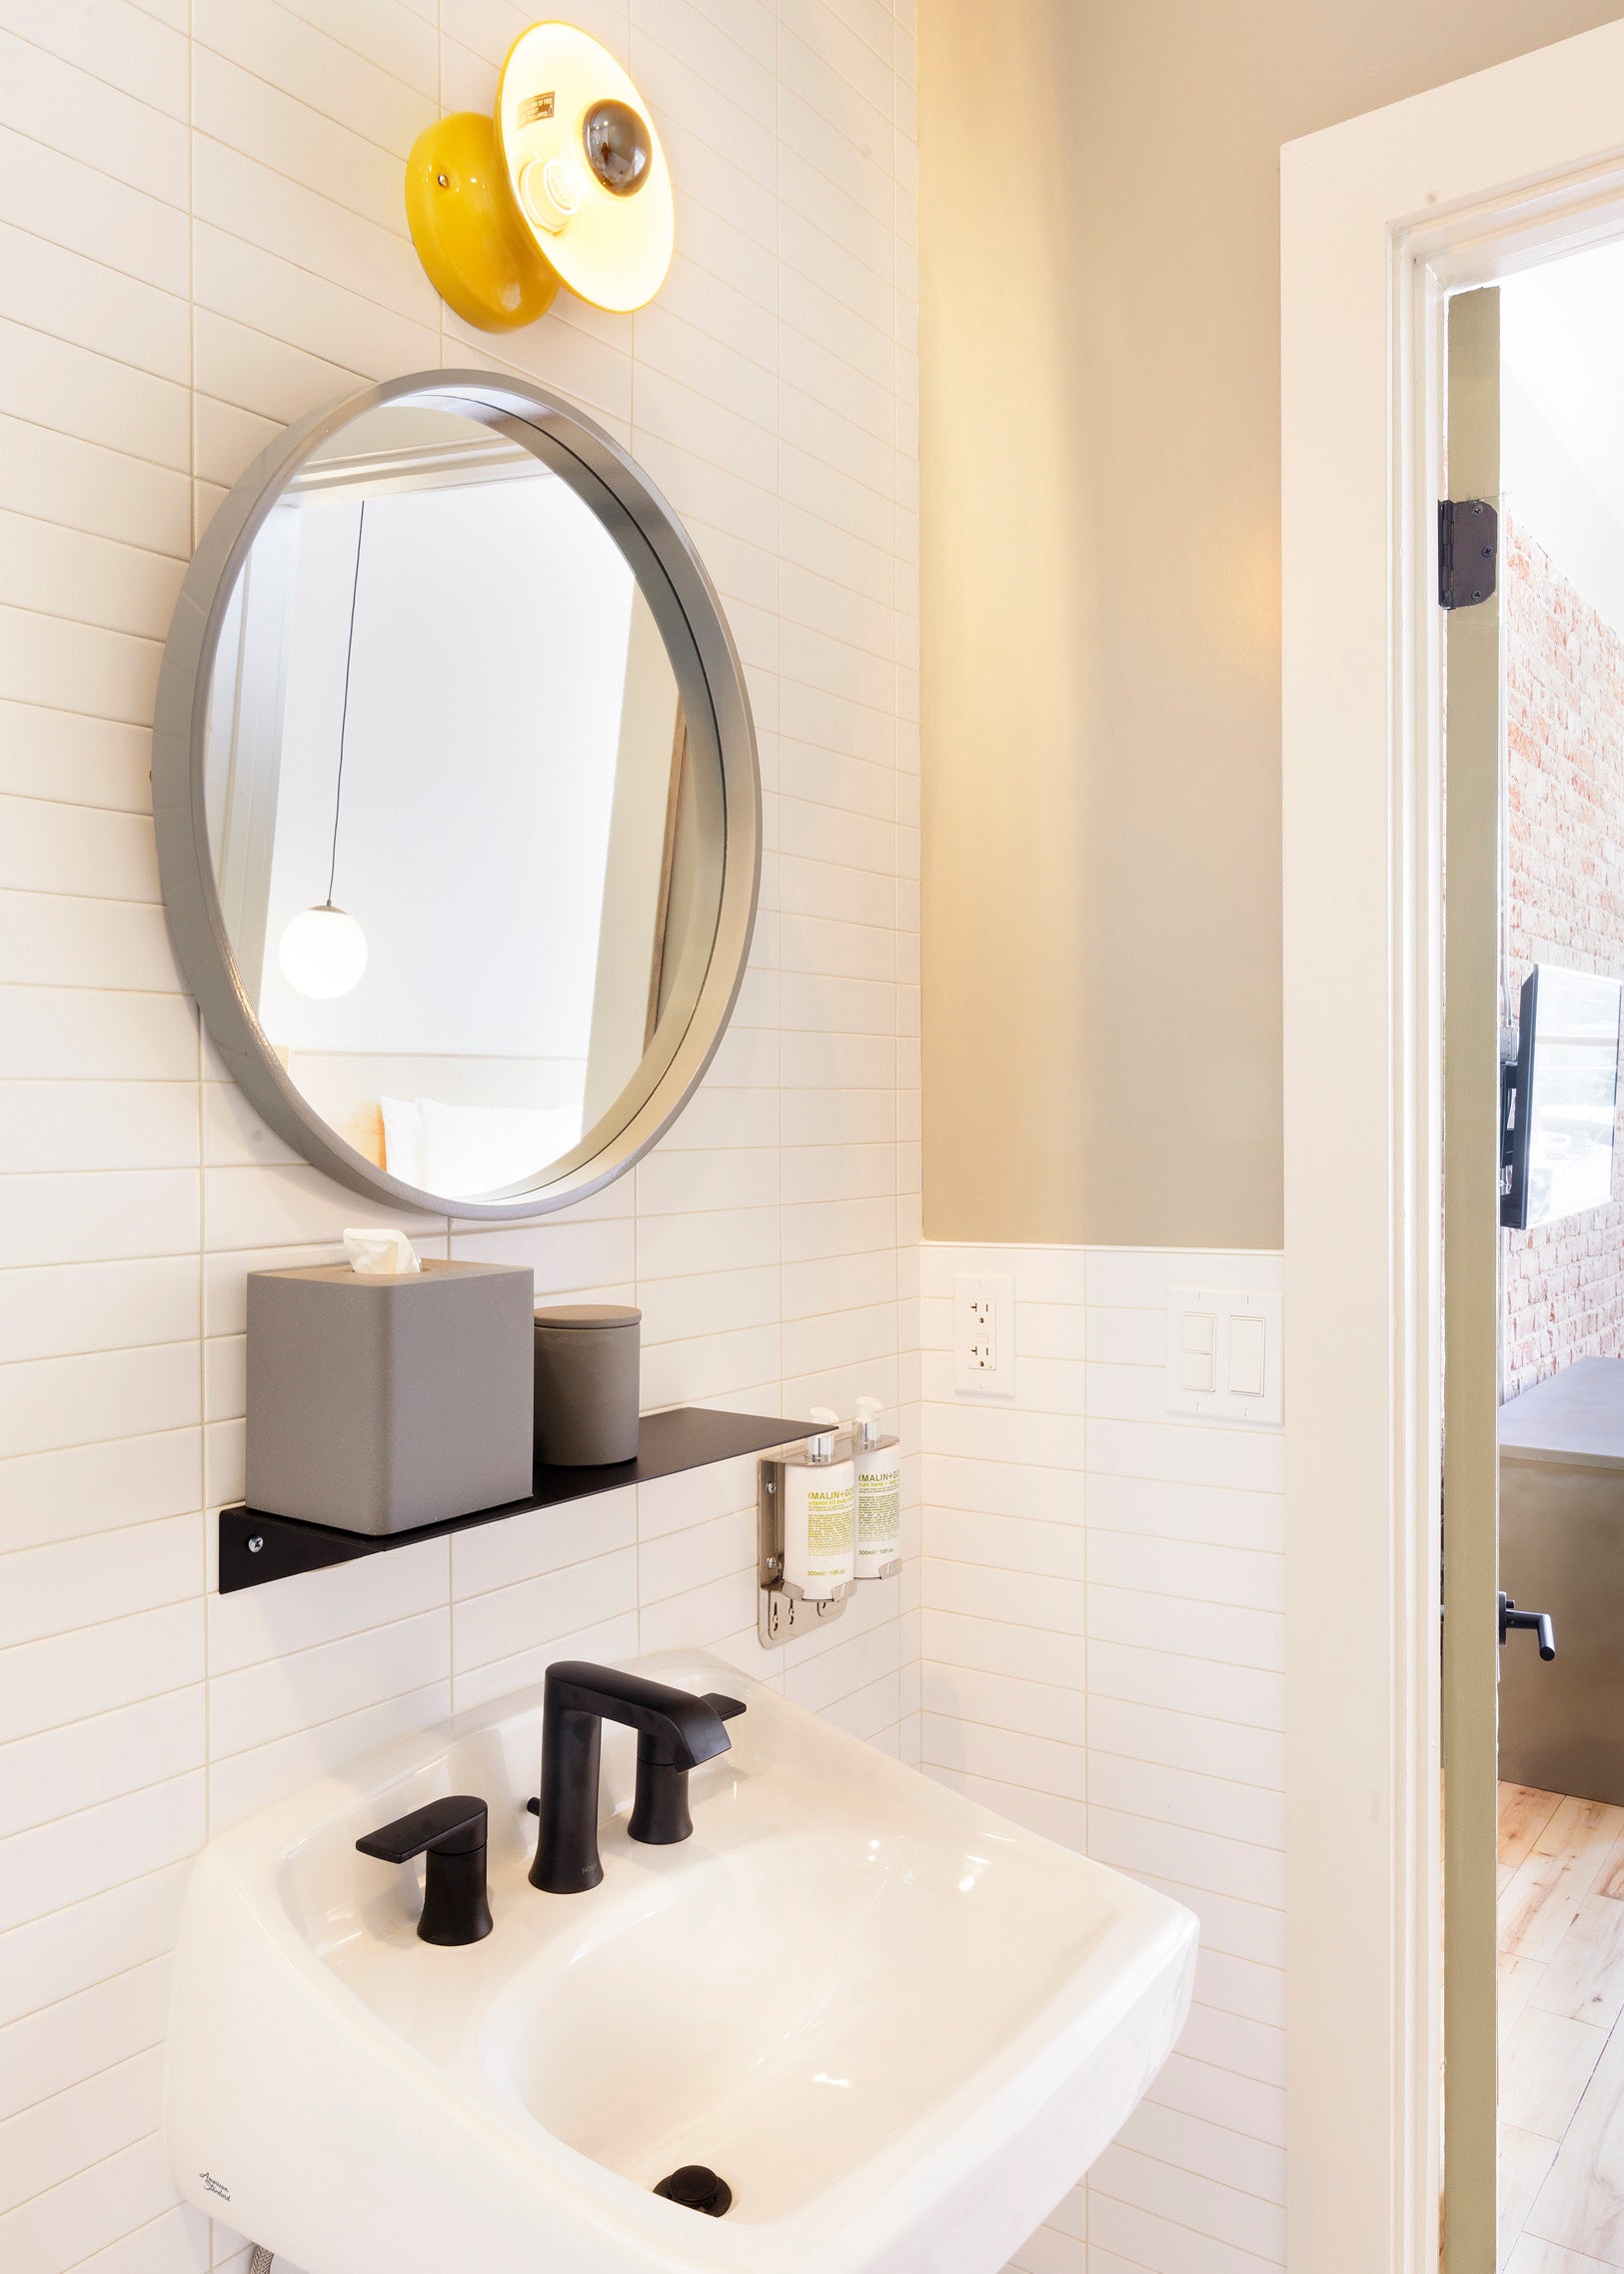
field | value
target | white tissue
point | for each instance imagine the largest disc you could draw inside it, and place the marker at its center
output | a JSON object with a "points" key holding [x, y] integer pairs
{"points": [[381, 1254]]}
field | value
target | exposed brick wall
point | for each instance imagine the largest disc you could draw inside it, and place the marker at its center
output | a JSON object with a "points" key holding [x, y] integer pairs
{"points": [[1564, 1284]]}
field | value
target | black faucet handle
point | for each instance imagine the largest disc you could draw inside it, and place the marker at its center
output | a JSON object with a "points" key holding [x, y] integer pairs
{"points": [[725, 1709], [454, 1826], [451, 1834]]}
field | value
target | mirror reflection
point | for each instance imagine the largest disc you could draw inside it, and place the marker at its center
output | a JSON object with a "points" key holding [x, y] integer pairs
{"points": [[459, 838]]}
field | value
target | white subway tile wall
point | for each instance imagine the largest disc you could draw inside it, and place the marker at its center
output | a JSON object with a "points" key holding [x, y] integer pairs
{"points": [[1103, 1660], [202, 235]]}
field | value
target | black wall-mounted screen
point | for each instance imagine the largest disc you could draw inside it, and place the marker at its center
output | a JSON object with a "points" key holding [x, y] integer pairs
{"points": [[1560, 1098]]}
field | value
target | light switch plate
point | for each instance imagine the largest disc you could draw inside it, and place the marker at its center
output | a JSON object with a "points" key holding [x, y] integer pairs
{"points": [[1223, 1354], [984, 1334]]}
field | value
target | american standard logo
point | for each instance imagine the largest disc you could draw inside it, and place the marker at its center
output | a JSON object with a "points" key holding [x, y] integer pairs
{"points": [[214, 2186]]}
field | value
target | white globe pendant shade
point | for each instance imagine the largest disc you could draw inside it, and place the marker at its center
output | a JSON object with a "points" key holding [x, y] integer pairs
{"points": [[323, 951]]}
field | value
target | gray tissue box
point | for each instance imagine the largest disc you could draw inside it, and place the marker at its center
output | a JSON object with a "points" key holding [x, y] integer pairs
{"points": [[376, 1404]]}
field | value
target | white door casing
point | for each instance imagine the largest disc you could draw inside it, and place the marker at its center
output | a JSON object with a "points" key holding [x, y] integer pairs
{"points": [[1383, 218]]}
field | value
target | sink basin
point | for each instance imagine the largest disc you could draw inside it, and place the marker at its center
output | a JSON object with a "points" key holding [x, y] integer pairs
{"points": [[896, 2025]]}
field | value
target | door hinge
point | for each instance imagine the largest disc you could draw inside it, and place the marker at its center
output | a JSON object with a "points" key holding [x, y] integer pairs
{"points": [[1468, 537]]}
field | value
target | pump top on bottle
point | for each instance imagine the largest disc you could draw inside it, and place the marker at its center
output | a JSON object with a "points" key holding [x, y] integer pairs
{"points": [[819, 1513], [879, 1494]]}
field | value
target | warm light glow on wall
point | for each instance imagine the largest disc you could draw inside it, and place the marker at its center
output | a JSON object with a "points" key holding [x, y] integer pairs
{"points": [[566, 184]]}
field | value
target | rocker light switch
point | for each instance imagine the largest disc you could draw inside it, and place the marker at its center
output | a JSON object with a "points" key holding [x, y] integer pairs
{"points": [[1223, 1354], [1198, 1357], [1248, 1342]]}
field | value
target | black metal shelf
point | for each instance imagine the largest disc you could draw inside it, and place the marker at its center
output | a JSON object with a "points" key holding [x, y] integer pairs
{"points": [[255, 1548]]}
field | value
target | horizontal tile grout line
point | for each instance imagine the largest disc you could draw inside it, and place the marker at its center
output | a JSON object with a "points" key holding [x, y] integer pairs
{"points": [[1198, 1832], [109, 1531], [177, 300], [94, 2164], [329, 1720], [94, 1807], [1176, 1768], [1219, 2069], [1275, 2202], [153, 1255], [776, 131], [1084, 1474], [177, 2206], [1136, 2265], [278, 340], [1087, 1744], [864, 41], [392, 234], [1086, 1688], [1178, 1539], [177, 386], [687, 1531], [1083, 1522], [71, 711], [122, 1886], [459, 1599], [781, 559], [124, 1704], [1016, 1785], [1184, 2225], [87, 164], [882, 121], [139, 553], [89, 2077], [425, 95], [83, 71], [1111, 1475], [87, 1989], [1121, 1588]]}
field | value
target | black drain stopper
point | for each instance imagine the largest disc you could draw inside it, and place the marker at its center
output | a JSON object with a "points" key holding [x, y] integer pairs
{"points": [[697, 2188]]}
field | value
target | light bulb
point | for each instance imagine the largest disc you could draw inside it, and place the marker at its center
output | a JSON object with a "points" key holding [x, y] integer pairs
{"points": [[322, 952]]}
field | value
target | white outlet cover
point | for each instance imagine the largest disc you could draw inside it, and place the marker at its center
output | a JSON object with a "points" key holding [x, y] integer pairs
{"points": [[1223, 1356], [984, 1334]]}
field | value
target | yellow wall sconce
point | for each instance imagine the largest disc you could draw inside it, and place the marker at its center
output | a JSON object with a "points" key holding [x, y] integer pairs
{"points": [[566, 184]]}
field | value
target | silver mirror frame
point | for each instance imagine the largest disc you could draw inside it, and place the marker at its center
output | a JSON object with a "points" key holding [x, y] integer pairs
{"points": [[712, 685]]}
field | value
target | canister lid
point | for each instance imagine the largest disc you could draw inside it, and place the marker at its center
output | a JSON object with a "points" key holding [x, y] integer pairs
{"points": [[589, 1314]]}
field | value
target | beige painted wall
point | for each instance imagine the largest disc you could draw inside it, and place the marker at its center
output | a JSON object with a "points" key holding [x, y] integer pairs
{"points": [[1100, 442]]}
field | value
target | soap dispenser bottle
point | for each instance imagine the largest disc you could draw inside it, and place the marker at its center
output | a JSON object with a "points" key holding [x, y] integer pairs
{"points": [[820, 1514], [880, 1487]]}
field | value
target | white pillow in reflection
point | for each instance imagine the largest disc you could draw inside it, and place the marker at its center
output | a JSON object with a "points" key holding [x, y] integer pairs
{"points": [[461, 1150], [468, 1150], [403, 1139]]}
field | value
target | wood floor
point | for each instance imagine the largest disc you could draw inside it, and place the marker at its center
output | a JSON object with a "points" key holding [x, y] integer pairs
{"points": [[1561, 2046]]}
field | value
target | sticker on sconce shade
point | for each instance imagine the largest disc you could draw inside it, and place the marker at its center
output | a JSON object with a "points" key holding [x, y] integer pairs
{"points": [[537, 106]]}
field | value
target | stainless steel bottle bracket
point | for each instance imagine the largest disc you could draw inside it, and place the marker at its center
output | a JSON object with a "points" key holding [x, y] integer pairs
{"points": [[783, 1611]]}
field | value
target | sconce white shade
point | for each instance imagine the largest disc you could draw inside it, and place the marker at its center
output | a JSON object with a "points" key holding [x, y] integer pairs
{"points": [[323, 951]]}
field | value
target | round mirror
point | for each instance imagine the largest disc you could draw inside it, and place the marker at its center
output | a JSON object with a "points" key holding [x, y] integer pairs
{"points": [[457, 798]]}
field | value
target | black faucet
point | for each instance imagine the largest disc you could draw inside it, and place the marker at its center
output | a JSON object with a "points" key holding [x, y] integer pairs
{"points": [[451, 1834], [676, 1731]]}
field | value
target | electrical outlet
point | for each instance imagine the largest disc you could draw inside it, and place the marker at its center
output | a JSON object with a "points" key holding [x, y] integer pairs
{"points": [[984, 1334]]}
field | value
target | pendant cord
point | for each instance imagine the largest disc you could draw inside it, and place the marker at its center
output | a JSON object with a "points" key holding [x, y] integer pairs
{"points": [[344, 713]]}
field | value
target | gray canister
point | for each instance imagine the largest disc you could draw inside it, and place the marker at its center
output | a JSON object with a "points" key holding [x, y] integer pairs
{"points": [[586, 1365]]}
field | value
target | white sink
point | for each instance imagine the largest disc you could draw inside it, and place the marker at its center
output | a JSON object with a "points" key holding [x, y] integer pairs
{"points": [[899, 2027]]}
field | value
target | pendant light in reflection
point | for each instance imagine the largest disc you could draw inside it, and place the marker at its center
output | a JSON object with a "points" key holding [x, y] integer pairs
{"points": [[323, 951]]}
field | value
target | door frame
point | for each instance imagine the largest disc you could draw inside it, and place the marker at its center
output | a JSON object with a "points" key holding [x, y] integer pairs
{"points": [[1383, 218]]}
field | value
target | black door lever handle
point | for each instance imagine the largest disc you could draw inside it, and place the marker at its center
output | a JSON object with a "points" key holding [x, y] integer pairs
{"points": [[1537, 1622]]}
